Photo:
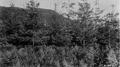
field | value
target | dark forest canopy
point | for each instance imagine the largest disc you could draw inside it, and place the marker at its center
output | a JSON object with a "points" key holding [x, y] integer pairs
{"points": [[12, 16], [49, 24]]}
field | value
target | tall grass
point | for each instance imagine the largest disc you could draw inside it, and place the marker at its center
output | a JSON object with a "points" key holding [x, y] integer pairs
{"points": [[46, 56]]}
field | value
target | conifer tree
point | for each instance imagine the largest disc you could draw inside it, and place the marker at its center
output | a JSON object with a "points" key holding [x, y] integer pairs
{"points": [[32, 7]]}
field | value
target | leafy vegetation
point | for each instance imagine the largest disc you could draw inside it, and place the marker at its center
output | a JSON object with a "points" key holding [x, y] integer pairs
{"points": [[34, 38]]}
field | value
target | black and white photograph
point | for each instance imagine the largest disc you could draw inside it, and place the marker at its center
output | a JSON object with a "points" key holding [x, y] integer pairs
{"points": [[59, 33]]}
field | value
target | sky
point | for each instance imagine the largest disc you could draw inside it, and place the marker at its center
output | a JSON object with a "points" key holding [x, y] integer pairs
{"points": [[49, 4]]}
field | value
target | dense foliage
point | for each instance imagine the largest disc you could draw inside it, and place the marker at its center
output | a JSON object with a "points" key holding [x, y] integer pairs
{"points": [[30, 39]]}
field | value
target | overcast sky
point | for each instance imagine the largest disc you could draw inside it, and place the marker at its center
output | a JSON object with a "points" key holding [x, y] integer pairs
{"points": [[49, 4]]}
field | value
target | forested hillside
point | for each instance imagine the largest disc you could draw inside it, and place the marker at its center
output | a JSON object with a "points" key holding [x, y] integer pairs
{"points": [[35, 37]]}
